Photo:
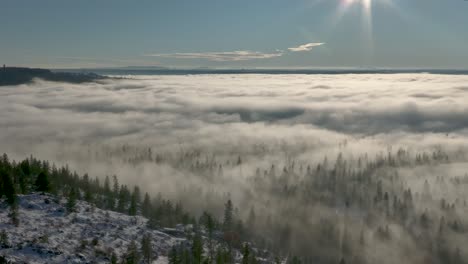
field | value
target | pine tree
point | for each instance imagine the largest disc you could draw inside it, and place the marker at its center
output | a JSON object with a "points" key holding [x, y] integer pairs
{"points": [[228, 227], [123, 199], [115, 189], [132, 210], [210, 225], [197, 246], [228, 216], [8, 188], [14, 214], [71, 202], [137, 194], [246, 254], [22, 182], [146, 206], [88, 195], [185, 257], [110, 202], [42, 182], [132, 256], [221, 256], [173, 256], [106, 186], [153, 221], [146, 248]]}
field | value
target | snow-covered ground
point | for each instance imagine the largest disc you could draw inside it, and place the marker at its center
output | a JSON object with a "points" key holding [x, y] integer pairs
{"points": [[47, 234]]}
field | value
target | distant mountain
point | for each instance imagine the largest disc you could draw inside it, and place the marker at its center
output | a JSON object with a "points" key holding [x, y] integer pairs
{"points": [[137, 70], [16, 75]]}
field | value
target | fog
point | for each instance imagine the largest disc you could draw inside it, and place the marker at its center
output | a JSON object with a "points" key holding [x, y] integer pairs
{"points": [[202, 139]]}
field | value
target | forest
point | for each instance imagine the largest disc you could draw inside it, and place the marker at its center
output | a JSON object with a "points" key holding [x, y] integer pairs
{"points": [[340, 210]]}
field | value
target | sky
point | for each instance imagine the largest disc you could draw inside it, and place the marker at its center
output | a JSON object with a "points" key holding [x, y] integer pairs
{"points": [[235, 34]]}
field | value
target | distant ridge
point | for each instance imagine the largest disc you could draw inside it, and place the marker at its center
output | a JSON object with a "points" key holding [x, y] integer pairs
{"points": [[174, 71], [17, 75]]}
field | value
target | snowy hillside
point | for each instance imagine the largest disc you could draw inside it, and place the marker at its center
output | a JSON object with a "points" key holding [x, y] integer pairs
{"points": [[47, 234]]}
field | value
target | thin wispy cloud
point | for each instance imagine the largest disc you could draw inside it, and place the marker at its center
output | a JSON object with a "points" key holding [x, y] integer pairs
{"points": [[240, 55], [305, 47]]}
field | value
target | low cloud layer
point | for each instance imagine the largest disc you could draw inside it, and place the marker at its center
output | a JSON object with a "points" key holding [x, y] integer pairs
{"points": [[309, 116], [351, 105]]}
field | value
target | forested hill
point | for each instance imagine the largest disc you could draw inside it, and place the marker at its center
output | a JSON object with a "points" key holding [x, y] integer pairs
{"points": [[47, 232], [53, 215], [16, 75]]}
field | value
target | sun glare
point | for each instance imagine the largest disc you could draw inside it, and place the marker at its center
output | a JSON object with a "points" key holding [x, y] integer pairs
{"points": [[366, 4]]}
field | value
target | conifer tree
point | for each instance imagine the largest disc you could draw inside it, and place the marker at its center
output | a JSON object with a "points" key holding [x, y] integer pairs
{"points": [[22, 182], [146, 248], [173, 256], [122, 203], [153, 221], [42, 182], [115, 188], [228, 226], [71, 202], [110, 202], [228, 216], [132, 210], [197, 246], [245, 254], [14, 214], [137, 194], [106, 186], [8, 188], [210, 225], [146, 206], [132, 256]]}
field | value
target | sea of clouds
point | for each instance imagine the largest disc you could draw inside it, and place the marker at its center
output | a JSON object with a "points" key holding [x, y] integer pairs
{"points": [[263, 118]]}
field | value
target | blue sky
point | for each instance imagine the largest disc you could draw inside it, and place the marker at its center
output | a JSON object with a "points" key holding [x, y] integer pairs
{"points": [[241, 33]]}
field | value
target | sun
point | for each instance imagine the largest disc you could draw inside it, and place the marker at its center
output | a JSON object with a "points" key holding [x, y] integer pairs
{"points": [[361, 9], [366, 4]]}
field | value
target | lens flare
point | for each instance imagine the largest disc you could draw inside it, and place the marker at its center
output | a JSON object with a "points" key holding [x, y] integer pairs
{"points": [[366, 11]]}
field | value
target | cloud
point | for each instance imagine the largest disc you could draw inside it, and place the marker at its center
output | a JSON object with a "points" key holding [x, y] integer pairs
{"points": [[305, 47], [234, 112], [307, 115], [240, 55]]}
